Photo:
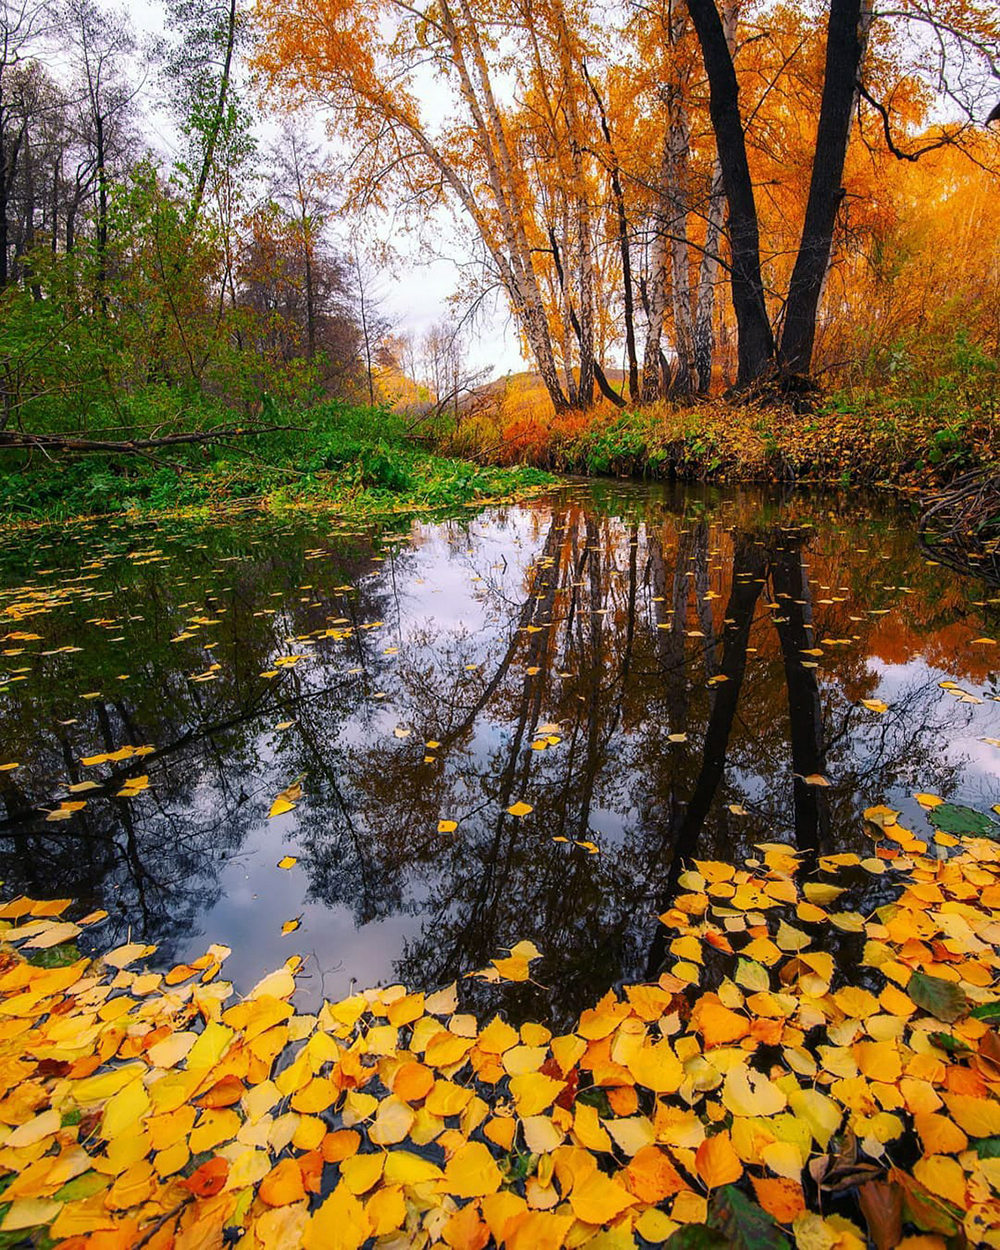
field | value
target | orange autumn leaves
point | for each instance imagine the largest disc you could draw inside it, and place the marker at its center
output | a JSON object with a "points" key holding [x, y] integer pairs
{"points": [[134, 1104]]}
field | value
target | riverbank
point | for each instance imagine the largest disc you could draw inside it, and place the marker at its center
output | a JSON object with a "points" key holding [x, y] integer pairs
{"points": [[358, 461], [844, 441], [363, 461]]}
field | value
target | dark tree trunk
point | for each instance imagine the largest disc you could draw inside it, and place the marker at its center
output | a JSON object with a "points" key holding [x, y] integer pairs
{"points": [[9, 152], [756, 342], [845, 44], [310, 292], [102, 211]]}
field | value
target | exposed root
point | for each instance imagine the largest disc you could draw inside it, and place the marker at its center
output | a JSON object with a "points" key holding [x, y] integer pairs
{"points": [[960, 524]]}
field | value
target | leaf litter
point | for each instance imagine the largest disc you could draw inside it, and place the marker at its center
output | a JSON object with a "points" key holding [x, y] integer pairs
{"points": [[781, 1103]]}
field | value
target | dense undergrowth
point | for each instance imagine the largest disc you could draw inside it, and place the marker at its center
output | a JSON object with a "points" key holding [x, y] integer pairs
{"points": [[925, 423], [923, 431], [843, 442], [353, 458]]}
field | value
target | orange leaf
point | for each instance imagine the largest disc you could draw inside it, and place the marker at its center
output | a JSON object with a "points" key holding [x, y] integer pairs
{"points": [[282, 1185], [209, 1179], [224, 1093], [652, 1177], [717, 1162], [780, 1197]]}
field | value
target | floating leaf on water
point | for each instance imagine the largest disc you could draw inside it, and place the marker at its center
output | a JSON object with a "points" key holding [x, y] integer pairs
{"points": [[288, 861], [945, 1000], [286, 799], [875, 705], [743, 1224], [955, 818], [953, 1045], [447, 826], [882, 816], [291, 925], [520, 808], [815, 779]]}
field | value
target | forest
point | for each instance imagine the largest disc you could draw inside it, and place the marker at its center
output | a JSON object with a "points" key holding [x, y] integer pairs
{"points": [[741, 242], [506, 759]]}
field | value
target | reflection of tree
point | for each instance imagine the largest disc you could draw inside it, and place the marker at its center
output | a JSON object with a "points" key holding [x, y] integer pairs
{"points": [[625, 630], [749, 570], [153, 862], [794, 624]]}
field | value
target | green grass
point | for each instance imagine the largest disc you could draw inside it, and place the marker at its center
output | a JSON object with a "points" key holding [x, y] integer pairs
{"points": [[353, 459]]}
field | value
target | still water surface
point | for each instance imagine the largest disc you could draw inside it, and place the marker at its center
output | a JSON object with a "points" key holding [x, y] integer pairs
{"points": [[654, 672]]}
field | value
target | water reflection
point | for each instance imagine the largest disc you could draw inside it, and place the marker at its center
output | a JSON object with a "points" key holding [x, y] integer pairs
{"points": [[659, 676]]}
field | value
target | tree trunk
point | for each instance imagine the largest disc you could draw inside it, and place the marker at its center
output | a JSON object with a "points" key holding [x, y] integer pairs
{"points": [[621, 219], [845, 47], [218, 115], [704, 337], [310, 293], [519, 273], [585, 386], [676, 195], [656, 298], [755, 347], [102, 212]]}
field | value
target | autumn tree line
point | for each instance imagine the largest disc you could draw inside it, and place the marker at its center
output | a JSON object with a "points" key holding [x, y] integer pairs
{"points": [[672, 198], [702, 193]]}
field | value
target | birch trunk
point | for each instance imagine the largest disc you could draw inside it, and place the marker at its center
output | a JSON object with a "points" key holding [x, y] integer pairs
{"points": [[708, 271], [656, 299]]}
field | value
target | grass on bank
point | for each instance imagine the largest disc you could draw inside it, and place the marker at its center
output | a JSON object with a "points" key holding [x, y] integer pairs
{"points": [[927, 422], [355, 459]]}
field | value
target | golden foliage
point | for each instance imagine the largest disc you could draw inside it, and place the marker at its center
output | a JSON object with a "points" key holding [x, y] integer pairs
{"points": [[137, 1110]]}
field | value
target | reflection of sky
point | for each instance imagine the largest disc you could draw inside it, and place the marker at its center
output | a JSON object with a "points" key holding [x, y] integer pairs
{"points": [[446, 619], [961, 728], [437, 596]]}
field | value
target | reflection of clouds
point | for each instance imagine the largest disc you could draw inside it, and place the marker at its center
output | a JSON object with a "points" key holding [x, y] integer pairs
{"points": [[381, 894]]}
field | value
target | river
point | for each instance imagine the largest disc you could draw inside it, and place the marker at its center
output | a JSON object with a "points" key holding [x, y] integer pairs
{"points": [[646, 676]]}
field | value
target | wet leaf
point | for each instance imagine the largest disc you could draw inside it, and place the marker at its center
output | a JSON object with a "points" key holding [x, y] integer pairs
{"points": [[743, 1224], [286, 800], [954, 818], [943, 999], [882, 1205]]}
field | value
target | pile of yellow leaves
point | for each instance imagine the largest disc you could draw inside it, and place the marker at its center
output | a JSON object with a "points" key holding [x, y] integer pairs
{"points": [[791, 1104]]}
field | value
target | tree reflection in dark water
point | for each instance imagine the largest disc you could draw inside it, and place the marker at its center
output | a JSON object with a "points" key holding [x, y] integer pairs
{"points": [[670, 637]]}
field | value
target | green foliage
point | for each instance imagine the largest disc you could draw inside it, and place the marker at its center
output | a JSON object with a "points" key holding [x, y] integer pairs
{"points": [[138, 338], [614, 448], [356, 457]]}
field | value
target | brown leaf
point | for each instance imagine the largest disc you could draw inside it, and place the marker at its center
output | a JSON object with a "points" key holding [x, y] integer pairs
{"points": [[882, 1205]]}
